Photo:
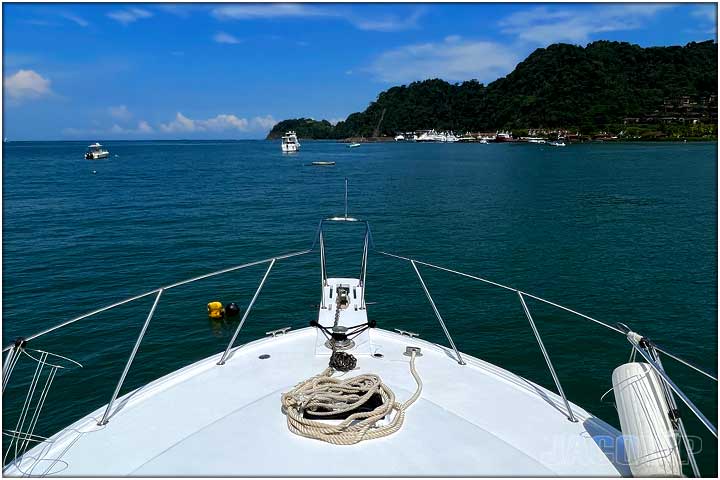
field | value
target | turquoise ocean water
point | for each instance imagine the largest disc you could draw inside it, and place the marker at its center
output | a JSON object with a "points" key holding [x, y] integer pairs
{"points": [[621, 232]]}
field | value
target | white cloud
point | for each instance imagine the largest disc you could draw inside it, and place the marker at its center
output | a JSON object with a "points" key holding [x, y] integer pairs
{"points": [[180, 124], [707, 12], [390, 23], [452, 59], [129, 15], [26, 84], [74, 18], [222, 37], [120, 112], [219, 123], [543, 25], [706, 16], [265, 122], [179, 10], [223, 122], [267, 10], [144, 127]]}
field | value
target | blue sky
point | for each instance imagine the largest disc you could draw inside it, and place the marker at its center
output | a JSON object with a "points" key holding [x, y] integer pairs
{"points": [[122, 71]]}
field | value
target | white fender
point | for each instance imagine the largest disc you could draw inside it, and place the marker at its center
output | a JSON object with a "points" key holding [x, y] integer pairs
{"points": [[650, 441]]}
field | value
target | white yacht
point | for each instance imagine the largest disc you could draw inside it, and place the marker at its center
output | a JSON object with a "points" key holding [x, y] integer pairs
{"points": [[539, 140], [428, 136], [399, 137], [346, 396], [556, 143], [449, 137], [290, 142], [433, 136], [95, 151]]}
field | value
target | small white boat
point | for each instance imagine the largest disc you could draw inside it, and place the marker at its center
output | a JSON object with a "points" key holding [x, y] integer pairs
{"points": [[353, 145], [400, 138], [323, 164], [483, 140], [556, 143], [449, 137], [95, 151], [290, 142], [536, 140]]}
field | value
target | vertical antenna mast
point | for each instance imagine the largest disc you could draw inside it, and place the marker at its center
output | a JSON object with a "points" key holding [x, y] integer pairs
{"points": [[346, 183]]}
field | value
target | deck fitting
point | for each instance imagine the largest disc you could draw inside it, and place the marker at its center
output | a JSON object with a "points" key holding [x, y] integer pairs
{"points": [[279, 331]]}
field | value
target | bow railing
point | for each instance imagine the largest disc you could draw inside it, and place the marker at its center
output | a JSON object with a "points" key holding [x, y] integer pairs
{"points": [[647, 349]]}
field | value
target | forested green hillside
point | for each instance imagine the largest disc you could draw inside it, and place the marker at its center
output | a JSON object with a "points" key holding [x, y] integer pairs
{"points": [[559, 86]]}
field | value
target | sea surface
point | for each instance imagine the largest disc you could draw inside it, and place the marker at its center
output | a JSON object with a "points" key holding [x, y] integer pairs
{"points": [[621, 232]]}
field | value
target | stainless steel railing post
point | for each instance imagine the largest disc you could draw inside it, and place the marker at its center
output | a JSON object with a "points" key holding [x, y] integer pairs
{"points": [[247, 312], [680, 425], [703, 419], [9, 365], [570, 414], [363, 267], [323, 277], [346, 188], [131, 358], [437, 314]]}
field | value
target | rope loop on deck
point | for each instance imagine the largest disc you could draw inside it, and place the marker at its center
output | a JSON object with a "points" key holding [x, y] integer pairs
{"points": [[325, 395]]}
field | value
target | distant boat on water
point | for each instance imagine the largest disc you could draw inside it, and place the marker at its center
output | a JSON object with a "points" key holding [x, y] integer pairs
{"points": [[290, 142], [323, 164], [353, 145], [95, 152], [557, 143], [503, 137], [433, 136]]}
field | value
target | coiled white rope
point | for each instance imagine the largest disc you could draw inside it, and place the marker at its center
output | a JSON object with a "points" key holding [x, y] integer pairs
{"points": [[323, 395]]}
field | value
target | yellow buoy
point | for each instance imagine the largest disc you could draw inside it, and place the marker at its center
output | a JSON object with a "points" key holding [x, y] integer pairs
{"points": [[215, 310]]}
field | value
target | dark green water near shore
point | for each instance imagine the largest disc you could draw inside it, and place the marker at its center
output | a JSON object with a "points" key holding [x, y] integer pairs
{"points": [[621, 232]]}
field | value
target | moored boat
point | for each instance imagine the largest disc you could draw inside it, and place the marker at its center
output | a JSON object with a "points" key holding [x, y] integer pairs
{"points": [[290, 142], [95, 151], [503, 137]]}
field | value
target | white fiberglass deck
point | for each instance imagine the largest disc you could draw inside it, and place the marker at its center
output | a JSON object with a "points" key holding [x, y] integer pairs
{"points": [[206, 419]]}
